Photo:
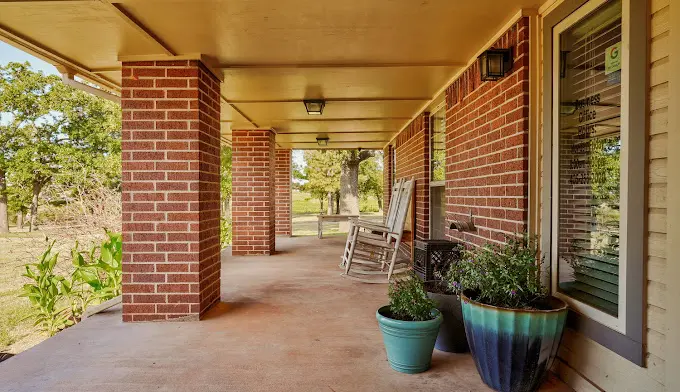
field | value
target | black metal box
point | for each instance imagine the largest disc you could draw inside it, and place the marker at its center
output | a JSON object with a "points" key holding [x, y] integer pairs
{"points": [[434, 255]]}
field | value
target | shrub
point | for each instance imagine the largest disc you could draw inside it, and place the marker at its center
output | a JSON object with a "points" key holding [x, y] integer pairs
{"points": [[409, 301], [505, 275]]}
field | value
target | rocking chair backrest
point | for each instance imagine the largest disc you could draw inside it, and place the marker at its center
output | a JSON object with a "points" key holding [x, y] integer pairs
{"points": [[394, 201], [403, 206]]}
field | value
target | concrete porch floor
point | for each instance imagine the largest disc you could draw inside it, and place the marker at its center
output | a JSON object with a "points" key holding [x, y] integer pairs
{"points": [[287, 322]]}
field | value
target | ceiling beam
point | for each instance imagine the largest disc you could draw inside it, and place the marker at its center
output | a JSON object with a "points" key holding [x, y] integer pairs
{"points": [[320, 119], [332, 132], [263, 66], [46, 1], [335, 65], [237, 110], [119, 10], [12, 38], [293, 100]]}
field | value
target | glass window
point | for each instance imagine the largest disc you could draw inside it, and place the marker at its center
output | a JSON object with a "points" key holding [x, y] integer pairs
{"points": [[594, 137], [588, 167], [438, 145]]}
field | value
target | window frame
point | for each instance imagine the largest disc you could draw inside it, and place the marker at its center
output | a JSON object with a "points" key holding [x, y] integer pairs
{"points": [[622, 334], [430, 142], [435, 184]]}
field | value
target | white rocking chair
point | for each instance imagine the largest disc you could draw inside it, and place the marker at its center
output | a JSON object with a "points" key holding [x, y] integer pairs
{"points": [[371, 247]]}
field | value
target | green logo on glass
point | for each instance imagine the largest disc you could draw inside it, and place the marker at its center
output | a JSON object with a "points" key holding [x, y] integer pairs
{"points": [[612, 59]]}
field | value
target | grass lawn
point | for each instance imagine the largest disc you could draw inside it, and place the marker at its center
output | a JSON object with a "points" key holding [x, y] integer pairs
{"points": [[305, 210], [16, 333]]}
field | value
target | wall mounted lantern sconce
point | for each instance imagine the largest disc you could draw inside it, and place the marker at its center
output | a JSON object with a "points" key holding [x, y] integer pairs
{"points": [[494, 64], [322, 141], [314, 106]]}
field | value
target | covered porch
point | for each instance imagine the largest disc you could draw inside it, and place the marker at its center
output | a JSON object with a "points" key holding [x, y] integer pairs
{"points": [[288, 322], [404, 77]]}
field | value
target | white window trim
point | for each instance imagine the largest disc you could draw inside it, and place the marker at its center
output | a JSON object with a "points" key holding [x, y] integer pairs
{"points": [[616, 323], [435, 184], [429, 146]]}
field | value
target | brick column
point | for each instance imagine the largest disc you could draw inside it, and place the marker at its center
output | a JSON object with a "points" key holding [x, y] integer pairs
{"points": [[253, 192], [284, 201], [171, 190]]}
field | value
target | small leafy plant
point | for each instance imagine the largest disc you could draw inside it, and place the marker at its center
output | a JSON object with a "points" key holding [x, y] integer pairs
{"points": [[506, 276], [102, 272], [57, 302], [46, 292], [409, 301]]}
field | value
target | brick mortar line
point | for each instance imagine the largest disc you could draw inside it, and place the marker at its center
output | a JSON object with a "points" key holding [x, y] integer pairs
{"points": [[492, 129], [494, 152], [482, 97]]}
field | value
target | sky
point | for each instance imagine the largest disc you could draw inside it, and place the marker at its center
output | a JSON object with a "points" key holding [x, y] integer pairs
{"points": [[10, 54]]}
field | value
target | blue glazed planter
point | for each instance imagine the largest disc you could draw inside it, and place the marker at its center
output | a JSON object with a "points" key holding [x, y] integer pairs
{"points": [[513, 349], [409, 344]]}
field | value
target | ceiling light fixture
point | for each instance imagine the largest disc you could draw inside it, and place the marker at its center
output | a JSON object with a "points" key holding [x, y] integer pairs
{"points": [[314, 106], [322, 141]]}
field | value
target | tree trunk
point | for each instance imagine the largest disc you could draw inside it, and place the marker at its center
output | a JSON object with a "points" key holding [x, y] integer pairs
{"points": [[20, 220], [321, 205], [4, 219], [349, 188], [37, 187], [380, 201], [329, 208], [336, 198]]}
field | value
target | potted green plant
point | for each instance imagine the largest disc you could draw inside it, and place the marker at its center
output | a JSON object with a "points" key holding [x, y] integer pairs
{"points": [[409, 326], [514, 327]]}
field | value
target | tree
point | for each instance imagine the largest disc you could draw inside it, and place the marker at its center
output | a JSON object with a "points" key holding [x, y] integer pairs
{"points": [[349, 180], [55, 131], [370, 177], [322, 175]]}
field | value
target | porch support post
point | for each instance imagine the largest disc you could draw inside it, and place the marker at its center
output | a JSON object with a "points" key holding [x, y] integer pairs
{"points": [[284, 201], [253, 192], [171, 190]]}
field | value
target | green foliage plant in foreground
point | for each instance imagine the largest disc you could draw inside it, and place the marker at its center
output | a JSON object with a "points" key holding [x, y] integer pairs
{"points": [[409, 301], [503, 275], [58, 302]]}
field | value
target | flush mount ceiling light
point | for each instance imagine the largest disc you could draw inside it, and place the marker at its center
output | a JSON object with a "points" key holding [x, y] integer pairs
{"points": [[494, 64], [322, 141], [314, 106]]}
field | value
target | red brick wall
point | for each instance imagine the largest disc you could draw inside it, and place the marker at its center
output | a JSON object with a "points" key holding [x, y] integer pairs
{"points": [[284, 201], [171, 190], [413, 160], [487, 146], [253, 192], [387, 179]]}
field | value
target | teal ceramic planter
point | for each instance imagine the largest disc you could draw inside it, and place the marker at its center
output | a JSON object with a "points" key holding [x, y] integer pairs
{"points": [[513, 348], [409, 344]]}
